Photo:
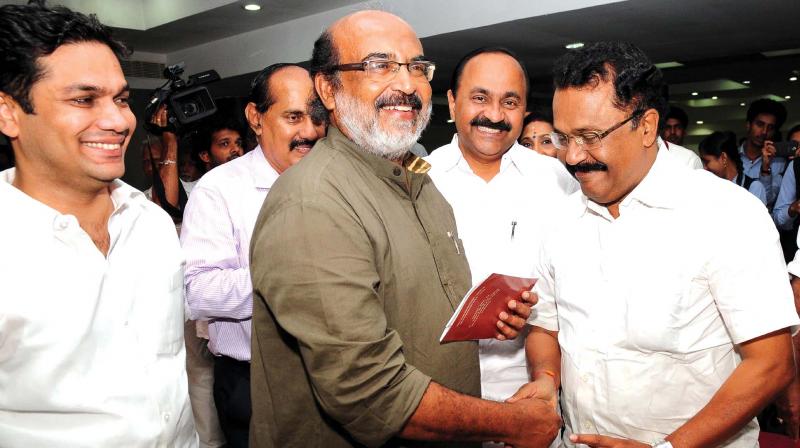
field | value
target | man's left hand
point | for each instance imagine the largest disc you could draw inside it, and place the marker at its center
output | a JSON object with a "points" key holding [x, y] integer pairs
{"points": [[512, 322], [788, 404], [598, 441]]}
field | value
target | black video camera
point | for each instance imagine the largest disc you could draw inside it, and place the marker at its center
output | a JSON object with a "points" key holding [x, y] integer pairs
{"points": [[187, 101]]}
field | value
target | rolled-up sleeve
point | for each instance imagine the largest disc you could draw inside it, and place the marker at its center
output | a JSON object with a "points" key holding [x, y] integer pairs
{"points": [[314, 264]]}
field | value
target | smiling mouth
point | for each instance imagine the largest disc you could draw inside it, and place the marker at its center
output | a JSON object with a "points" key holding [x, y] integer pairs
{"points": [[105, 146], [489, 130], [399, 108]]}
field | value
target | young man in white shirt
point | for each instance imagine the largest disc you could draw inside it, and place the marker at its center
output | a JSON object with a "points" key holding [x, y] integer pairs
{"points": [[503, 194], [91, 309], [660, 331]]}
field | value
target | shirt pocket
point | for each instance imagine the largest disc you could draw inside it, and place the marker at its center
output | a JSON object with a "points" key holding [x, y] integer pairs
{"points": [[655, 312], [161, 313]]}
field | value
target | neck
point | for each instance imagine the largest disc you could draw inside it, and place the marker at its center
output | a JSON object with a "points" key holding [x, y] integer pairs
{"points": [[731, 172], [751, 151], [91, 206], [484, 168]]}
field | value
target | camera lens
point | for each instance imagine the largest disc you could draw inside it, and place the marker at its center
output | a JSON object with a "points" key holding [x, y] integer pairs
{"points": [[190, 109]]}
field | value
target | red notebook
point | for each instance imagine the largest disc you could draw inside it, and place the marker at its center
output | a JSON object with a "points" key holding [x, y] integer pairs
{"points": [[476, 315]]}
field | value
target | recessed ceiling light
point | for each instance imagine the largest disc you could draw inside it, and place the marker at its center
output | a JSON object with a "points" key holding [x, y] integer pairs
{"points": [[251, 6], [574, 45], [788, 97], [745, 82], [742, 104], [695, 94], [793, 78], [714, 97], [699, 121], [451, 120]]}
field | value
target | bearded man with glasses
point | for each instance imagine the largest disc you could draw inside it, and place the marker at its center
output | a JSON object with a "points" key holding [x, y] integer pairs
{"points": [[357, 266], [661, 332]]}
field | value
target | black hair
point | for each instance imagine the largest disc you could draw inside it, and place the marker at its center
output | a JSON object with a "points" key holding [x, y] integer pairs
{"points": [[722, 142], [538, 114], [325, 58], [678, 114], [483, 50], [767, 106], [638, 84], [202, 139], [259, 87], [29, 32], [795, 128]]}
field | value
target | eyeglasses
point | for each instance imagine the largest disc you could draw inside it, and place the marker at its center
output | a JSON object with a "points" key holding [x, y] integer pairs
{"points": [[383, 70], [588, 140]]}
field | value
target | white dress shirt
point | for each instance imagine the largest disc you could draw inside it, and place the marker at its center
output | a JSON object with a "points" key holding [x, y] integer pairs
{"points": [[217, 225], [650, 305], [91, 346], [501, 223], [685, 156]]}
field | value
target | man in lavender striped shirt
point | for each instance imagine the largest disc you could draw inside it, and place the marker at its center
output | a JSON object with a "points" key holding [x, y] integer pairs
{"points": [[217, 225]]}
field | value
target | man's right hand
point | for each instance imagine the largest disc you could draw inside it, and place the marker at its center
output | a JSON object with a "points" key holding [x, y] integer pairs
{"points": [[538, 424], [767, 153]]}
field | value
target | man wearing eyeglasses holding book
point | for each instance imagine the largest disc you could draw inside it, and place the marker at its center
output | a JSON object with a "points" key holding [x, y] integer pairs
{"points": [[660, 332], [357, 266]]}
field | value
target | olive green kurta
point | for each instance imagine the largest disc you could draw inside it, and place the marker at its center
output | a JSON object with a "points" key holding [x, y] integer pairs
{"points": [[356, 268]]}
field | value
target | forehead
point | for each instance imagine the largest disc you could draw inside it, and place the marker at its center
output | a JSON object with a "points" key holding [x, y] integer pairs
{"points": [[765, 118], [496, 72], [536, 127], [82, 63], [291, 89], [673, 122], [357, 38], [589, 107], [225, 133]]}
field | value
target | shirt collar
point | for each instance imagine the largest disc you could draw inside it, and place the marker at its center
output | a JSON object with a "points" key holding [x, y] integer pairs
{"points": [[396, 175], [263, 174], [656, 189], [455, 158]]}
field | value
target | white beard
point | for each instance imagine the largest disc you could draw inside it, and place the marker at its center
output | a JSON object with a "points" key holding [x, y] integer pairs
{"points": [[360, 122]]}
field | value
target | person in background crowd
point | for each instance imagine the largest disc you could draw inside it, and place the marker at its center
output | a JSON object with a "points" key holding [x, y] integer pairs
{"points": [[675, 124], [357, 266], [764, 119], [721, 157], [787, 206], [499, 191], [218, 141], [646, 317], [91, 340], [219, 220], [536, 129]]}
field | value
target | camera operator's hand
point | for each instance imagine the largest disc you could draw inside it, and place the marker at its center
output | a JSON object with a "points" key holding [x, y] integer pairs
{"points": [[767, 153], [168, 165]]}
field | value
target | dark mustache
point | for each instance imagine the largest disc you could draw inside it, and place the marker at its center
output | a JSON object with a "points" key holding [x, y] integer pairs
{"points": [[487, 123], [586, 167], [399, 99], [301, 142]]}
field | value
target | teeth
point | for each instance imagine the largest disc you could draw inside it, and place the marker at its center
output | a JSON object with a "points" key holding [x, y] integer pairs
{"points": [[489, 130], [108, 146], [400, 108]]}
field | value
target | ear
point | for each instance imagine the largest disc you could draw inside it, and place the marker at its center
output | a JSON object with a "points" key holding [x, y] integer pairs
{"points": [[649, 125], [723, 158], [9, 115], [325, 91], [451, 104], [205, 156], [253, 117]]}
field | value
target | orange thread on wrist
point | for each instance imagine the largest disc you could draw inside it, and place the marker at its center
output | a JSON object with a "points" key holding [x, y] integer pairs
{"points": [[546, 372]]}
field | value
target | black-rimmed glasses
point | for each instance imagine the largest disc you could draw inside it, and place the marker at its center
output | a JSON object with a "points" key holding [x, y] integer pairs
{"points": [[384, 70], [588, 140]]}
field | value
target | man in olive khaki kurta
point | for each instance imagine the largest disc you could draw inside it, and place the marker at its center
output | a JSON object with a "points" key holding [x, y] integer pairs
{"points": [[357, 266], [354, 256]]}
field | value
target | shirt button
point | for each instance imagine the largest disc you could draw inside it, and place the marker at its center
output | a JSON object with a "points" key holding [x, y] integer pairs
{"points": [[587, 425], [397, 172], [166, 416], [585, 377]]}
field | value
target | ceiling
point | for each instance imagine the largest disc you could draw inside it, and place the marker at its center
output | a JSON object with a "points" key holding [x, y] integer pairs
{"points": [[221, 22]]}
